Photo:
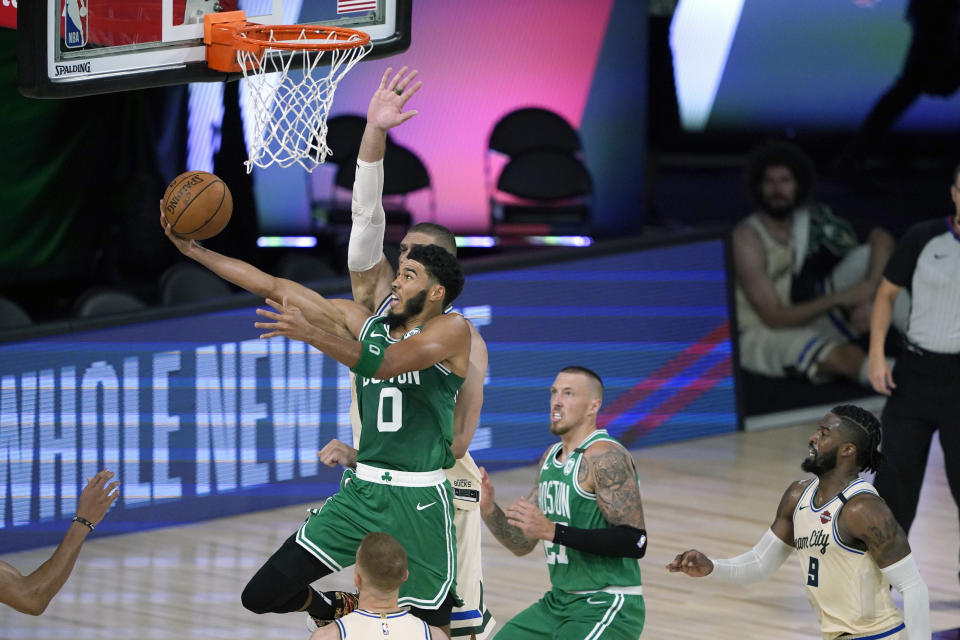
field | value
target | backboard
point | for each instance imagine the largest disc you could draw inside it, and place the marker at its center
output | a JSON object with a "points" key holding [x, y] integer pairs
{"points": [[82, 47]]}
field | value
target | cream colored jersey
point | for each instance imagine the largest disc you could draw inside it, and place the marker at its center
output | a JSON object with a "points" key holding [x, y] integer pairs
{"points": [[844, 585], [366, 625], [779, 267]]}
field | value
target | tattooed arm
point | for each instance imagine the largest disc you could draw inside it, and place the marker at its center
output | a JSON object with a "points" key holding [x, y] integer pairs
{"points": [[510, 536], [867, 520], [607, 471]]}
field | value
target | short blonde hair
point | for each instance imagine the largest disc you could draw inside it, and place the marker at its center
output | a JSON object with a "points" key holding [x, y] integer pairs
{"points": [[382, 561]]}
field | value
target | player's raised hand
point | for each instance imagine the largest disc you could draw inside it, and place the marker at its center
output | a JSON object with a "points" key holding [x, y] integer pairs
{"points": [[336, 452], [97, 496], [525, 515], [692, 562], [386, 106]]}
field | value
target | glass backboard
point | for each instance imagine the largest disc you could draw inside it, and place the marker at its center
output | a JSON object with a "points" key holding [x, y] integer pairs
{"points": [[82, 47]]}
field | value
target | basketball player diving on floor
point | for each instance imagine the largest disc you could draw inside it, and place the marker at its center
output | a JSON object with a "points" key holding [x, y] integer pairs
{"points": [[371, 277], [850, 547], [409, 366]]}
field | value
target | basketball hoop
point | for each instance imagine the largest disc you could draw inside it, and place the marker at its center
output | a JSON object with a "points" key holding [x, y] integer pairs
{"points": [[290, 113]]}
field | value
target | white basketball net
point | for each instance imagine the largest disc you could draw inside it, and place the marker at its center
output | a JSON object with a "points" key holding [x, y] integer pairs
{"points": [[290, 113]]}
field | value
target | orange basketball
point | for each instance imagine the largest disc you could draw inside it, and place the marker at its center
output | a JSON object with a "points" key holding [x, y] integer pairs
{"points": [[197, 205]]}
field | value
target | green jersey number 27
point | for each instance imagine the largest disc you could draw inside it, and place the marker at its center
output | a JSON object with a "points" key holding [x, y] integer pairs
{"points": [[556, 553]]}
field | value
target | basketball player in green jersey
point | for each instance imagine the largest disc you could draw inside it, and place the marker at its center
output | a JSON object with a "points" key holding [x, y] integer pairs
{"points": [[371, 275], [850, 547], [586, 509], [410, 365]]}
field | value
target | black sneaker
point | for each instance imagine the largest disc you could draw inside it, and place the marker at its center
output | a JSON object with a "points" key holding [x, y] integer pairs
{"points": [[342, 602]]}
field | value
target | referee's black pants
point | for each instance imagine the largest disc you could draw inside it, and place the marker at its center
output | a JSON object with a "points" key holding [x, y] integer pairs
{"points": [[925, 400]]}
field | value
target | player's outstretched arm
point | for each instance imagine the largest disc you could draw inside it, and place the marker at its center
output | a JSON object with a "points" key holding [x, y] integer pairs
{"points": [[316, 308], [466, 414], [32, 593], [867, 518], [370, 271], [755, 565], [445, 338], [338, 342], [510, 536]]}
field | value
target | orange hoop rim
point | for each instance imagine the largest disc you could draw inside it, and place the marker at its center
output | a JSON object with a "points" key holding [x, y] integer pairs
{"points": [[254, 37]]}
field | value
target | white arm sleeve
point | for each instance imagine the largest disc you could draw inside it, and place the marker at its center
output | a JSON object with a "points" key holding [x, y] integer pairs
{"points": [[369, 221], [905, 578], [755, 565]]}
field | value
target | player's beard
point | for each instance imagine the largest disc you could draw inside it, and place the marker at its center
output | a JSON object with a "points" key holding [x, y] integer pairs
{"points": [[779, 210], [411, 307], [820, 463]]}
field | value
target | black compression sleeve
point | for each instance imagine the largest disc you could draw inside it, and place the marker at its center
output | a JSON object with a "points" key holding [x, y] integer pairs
{"points": [[621, 541]]}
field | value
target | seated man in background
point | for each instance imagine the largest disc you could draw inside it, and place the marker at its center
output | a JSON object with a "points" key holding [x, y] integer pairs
{"points": [[804, 284]]}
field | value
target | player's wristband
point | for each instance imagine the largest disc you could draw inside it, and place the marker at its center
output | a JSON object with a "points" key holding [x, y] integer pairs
{"points": [[83, 521], [371, 355], [621, 541]]}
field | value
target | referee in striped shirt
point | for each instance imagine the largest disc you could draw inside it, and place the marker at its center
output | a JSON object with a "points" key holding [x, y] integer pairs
{"points": [[924, 389]]}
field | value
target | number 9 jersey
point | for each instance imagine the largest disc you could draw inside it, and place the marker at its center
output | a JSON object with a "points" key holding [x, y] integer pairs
{"points": [[406, 421], [844, 584]]}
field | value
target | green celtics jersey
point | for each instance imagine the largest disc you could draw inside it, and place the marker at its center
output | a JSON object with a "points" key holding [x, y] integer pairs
{"points": [[563, 501], [406, 421]]}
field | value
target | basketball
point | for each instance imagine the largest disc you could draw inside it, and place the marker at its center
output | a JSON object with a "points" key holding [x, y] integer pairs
{"points": [[197, 205]]}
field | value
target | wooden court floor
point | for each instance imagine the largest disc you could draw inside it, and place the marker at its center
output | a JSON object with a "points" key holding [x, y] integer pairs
{"points": [[718, 494]]}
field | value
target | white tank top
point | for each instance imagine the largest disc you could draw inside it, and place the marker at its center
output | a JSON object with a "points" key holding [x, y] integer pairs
{"points": [[779, 268], [844, 585], [399, 625]]}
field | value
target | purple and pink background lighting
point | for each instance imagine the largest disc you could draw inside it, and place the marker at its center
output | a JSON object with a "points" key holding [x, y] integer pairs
{"points": [[478, 62]]}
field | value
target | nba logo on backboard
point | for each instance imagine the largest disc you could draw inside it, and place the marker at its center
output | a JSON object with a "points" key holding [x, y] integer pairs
{"points": [[75, 23]]}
